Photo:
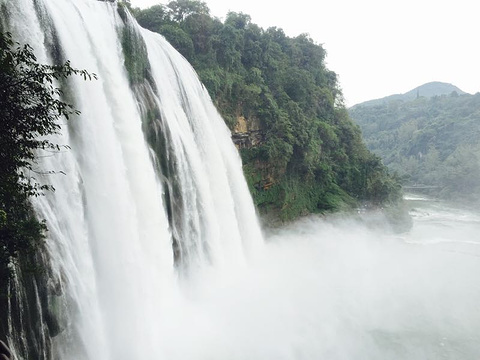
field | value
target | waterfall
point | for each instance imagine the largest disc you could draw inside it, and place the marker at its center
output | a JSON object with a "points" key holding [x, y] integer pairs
{"points": [[153, 190]]}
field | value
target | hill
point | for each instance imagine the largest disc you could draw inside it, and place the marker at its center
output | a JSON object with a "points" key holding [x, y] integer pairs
{"points": [[432, 142], [301, 151], [428, 90]]}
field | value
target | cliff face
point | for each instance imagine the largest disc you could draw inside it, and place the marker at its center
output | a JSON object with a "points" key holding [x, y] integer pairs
{"points": [[301, 152], [31, 307], [247, 133]]}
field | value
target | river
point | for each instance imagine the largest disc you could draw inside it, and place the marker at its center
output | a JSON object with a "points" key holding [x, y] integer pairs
{"points": [[339, 288]]}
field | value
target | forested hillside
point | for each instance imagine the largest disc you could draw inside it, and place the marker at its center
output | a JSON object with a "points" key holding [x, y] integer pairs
{"points": [[428, 90], [431, 142], [301, 151]]}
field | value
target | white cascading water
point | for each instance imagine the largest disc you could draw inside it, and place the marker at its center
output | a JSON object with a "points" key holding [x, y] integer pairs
{"points": [[158, 255], [109, 235]]}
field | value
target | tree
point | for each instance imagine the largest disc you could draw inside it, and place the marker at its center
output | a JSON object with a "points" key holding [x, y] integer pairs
{"points": [[154, 17], [179, 39], [428, 141], [303, 152], [183, 8], [30, 107]]}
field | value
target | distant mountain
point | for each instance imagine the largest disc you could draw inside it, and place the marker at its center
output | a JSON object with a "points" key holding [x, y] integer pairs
{"points": [[428, 90], [431, 140]]}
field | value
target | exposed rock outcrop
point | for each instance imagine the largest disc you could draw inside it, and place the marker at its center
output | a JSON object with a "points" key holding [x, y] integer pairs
{"points": [[5, 353], [247, 133]]}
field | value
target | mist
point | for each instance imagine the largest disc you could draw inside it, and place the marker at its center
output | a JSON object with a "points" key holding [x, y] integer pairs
{"points": [[339, 288]]}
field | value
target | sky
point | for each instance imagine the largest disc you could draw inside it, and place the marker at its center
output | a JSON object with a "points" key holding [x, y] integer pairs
{"points": [[377, 47]]}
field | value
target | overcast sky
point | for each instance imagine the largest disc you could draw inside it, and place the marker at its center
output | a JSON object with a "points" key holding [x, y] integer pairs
{"points": [[378, 47]]}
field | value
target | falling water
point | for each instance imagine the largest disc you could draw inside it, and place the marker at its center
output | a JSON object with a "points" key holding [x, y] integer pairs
{"points": [[117, 223], [154, 248]]}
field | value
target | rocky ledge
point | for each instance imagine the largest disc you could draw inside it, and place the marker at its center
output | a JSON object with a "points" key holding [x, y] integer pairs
{"points": [[247, 133]]}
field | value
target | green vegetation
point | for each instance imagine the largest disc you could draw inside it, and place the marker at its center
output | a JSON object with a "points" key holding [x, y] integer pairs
{"points": [[30, 109], [428, 90], [431, 142], [311, 157]]}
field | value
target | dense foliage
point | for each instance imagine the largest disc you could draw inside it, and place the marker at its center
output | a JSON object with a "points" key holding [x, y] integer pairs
{"points": [[428, 90], [309, 156], [30, 108], [431, 142]]}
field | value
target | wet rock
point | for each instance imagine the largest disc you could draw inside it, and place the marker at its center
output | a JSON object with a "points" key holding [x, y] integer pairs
{"points": [[5, 353]]}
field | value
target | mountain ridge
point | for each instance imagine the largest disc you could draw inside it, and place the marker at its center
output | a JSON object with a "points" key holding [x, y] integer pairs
{"points": [[432, 141], [427, 90]]}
